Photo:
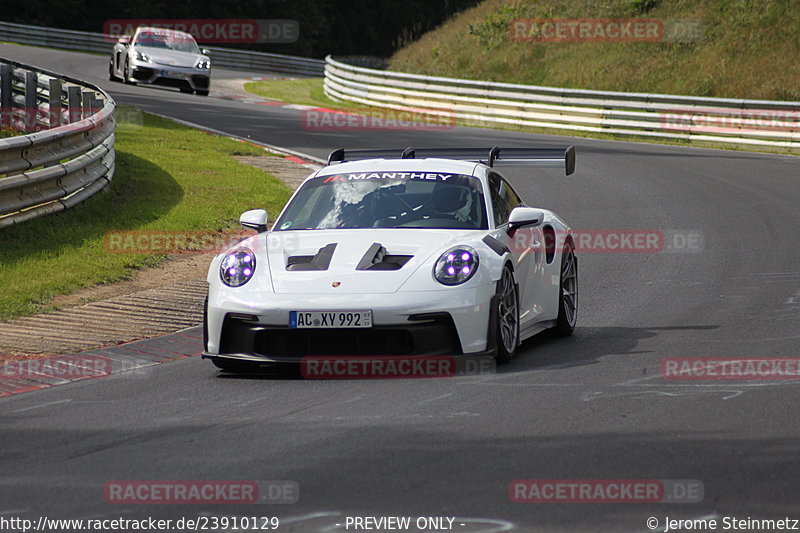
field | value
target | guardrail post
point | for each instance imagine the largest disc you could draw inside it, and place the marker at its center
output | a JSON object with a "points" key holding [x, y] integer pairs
{"points": [[6, 78], [55, 103], [31, 105], [86, 103], [97, 105], [74, 103]]}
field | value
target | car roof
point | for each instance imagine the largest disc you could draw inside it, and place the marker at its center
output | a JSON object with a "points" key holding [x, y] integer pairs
{"points": [[467, 168], [156, 29]]}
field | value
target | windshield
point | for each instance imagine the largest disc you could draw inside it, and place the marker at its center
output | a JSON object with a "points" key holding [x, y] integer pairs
{"points": [[387, 200], [167, 40]]}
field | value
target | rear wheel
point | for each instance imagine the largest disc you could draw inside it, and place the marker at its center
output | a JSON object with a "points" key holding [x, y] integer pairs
{"points": [[568, 292], [507, 313]]}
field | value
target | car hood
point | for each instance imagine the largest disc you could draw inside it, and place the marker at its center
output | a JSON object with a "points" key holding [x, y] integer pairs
{"points": [[171, 58], [344, 261]]}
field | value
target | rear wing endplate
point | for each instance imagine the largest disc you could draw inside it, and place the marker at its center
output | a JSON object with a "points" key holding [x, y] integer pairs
{"points": [[538, 157]]}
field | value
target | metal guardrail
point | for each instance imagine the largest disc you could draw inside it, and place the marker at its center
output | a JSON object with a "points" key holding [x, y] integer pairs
{"points": [[69, 157], [725, 120], [102, 44]]}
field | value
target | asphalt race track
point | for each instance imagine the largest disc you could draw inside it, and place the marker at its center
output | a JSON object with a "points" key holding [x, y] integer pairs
{"points": [[592, 406]]}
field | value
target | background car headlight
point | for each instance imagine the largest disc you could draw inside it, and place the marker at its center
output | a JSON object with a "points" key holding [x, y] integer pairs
{"points": [[203, 64], [237, 267], [141, 56], [456, 265]]}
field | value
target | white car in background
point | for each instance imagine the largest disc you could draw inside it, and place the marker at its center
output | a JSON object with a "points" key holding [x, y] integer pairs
{"points": [[161, 56], [408, 252]]}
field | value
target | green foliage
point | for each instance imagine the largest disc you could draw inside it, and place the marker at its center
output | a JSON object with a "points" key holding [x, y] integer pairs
{"points": [[727, 48], [341, 27]]}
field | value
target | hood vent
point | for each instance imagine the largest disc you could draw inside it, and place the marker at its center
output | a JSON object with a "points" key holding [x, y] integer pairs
{"points": [[320, 261], [376, 258]]}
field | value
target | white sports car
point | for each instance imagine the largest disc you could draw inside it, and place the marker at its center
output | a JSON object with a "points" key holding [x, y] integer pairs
{"points": [[409, 252], [162, 57]]}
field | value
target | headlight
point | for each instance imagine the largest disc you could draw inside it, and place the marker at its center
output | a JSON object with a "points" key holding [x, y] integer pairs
{"points": [[141, 56], [237, 267], [203, 64], [456, 266]]}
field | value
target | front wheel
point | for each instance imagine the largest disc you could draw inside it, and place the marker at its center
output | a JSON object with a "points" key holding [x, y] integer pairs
{"points": [[201, 93], [126, 74], [568, 293], [507, 317]]}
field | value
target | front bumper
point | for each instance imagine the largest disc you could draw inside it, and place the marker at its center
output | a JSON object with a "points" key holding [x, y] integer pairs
{"points": [[170, 76], [450, 322]]}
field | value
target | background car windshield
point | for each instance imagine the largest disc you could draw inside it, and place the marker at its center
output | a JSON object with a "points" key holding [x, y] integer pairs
{"points": [[387, 200], [180, 43]]}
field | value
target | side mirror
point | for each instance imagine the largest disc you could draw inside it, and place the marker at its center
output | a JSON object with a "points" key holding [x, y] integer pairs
{"points": [[125, 39], [524, 216], [206, 52], [254, 219]]}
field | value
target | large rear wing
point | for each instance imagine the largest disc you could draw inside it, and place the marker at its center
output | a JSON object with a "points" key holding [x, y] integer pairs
{"points": [[537, 157]]}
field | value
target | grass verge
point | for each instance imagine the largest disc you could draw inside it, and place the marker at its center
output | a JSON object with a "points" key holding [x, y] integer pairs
{"points": [[306, 91], [168, 178]]}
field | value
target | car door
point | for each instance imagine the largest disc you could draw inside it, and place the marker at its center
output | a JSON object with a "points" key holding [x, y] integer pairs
{"points": [[525, 244]]}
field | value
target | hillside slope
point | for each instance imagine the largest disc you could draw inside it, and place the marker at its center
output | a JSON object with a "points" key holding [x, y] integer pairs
{"points": [[744, 48]]}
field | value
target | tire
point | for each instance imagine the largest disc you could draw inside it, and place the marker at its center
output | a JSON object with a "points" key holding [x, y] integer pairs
{"points": [[507, 317], [202, 93], [567, 293], [111, 76], [186, 90]]}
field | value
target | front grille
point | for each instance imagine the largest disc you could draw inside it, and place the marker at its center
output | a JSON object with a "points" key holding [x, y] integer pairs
{"points": [[435, 335], [172, 82], [201, 82], [142, 73]]}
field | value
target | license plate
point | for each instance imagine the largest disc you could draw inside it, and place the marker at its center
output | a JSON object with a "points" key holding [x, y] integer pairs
{"points": [[171, 74], [330, 319]]}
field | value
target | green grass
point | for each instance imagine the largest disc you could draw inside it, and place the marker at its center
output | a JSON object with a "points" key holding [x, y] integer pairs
{"points": [[168, 178], [307, 91], [746, 49], [8, 132]]}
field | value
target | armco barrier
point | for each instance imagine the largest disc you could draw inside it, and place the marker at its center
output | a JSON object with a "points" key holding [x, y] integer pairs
{"points": [[725, 120], [70, 155], [103, 44]]}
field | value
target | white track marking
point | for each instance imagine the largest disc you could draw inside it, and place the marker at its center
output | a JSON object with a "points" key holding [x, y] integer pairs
{"points": [[48, 404]]}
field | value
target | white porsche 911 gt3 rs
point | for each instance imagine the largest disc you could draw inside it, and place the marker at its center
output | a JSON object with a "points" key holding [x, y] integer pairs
{"points": [[161, 56], [409, 252]]}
